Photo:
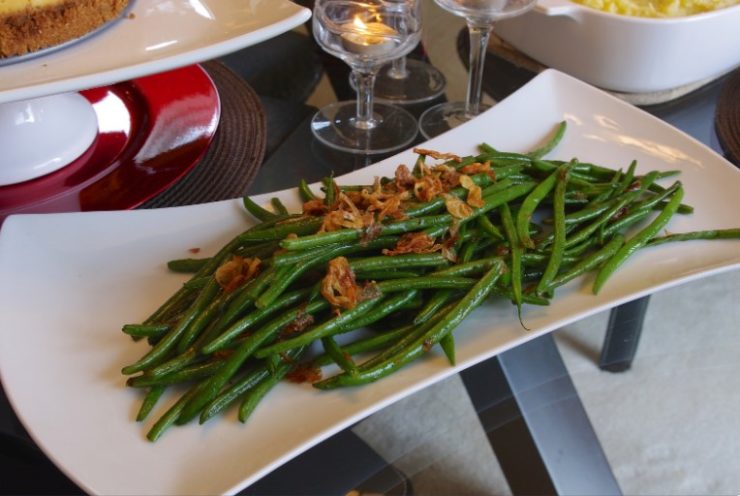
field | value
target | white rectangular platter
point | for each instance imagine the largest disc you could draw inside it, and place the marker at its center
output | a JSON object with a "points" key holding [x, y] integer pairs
{"points": [[154, 36], [69, 281]]}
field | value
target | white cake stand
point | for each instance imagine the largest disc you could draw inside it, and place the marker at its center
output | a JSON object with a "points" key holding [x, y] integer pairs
{"points": [[45, 124]]}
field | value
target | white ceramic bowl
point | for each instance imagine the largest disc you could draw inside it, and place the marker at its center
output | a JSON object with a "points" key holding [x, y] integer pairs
{"points": [[626, 53]]}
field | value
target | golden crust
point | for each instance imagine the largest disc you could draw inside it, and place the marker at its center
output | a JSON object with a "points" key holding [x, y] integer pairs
{"points": [[38, 28]]}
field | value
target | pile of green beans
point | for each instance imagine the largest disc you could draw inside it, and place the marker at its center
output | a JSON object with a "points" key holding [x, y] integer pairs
{"points": [[542, 223]]}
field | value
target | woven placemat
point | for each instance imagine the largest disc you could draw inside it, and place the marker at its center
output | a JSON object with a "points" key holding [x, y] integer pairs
{"points": [[727, 118], [236, 152]]}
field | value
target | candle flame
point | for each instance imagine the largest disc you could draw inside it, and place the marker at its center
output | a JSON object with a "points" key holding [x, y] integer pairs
{"points": [[359, 24]]}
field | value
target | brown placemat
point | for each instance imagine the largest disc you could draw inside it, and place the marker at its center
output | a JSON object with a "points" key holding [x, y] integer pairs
{"points": [[500, 48], [236, 152], [727, 118]]}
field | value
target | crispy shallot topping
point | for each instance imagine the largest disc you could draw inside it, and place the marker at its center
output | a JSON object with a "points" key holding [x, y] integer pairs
{"points": [[237, 271], [449, 176], [478, 168], [456, 207], [428, 187], [385, 204], [339, 286], [437, 155], [315, 207], [404, 178], [345, 215], [301, 321], [414, 242], [475, 195], [304, 372]]}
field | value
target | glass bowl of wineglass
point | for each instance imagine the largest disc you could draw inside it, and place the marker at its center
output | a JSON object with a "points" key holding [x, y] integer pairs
{"points": [[365, 34], [480, 16]]}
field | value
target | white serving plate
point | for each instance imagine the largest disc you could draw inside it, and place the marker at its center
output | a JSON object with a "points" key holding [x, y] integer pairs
{"points": [[159, 35], [626, 53], [69, 281]]}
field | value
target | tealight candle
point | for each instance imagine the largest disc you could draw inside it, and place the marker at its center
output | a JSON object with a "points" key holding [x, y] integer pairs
{"points": [[368, 38]]}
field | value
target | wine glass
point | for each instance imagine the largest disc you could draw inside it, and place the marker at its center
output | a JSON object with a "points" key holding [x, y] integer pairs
{"points": [[480, 16], [407, 81], [365, 34]]}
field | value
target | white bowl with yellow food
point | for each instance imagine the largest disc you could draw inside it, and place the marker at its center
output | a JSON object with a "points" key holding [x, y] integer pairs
{"points": [[632, 46]]}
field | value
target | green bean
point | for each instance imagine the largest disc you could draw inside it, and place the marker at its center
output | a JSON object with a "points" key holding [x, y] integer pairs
{"points": [[551, 143], [656, 199], [187, 265], [255, 395], [232, 393], [346, 235], [423, 343], [558, 245], [140, 330], [528, 207], [448, 346], [383, 262], [168, 342], [467, 251], [253, 318], [638, 240], [189, 373], [583, 234], [516, 257], [388, 306], [301, 227], [590, 262], [280, 209], [412, 334], [367, 344], [257, 211], [425, 282], [175, 301], [682, 209], [245, 349], [623, 222], [202, 320], [626, 181], [498, 186], [609, 191], [330, 191], [171, 415], [340, 357], [469, 268], [487, 226], [305, 191], [528, 298], [435, 302], [694, 235], [197, 282], [150, 399], [331, 326], [381, 275]]}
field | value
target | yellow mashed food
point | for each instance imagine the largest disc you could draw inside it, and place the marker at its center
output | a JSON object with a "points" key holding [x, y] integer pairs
{"points": [[658, 8]]}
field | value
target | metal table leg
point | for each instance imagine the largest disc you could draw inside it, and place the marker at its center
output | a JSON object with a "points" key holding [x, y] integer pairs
{"points": [[536, 423], [623, 335]]}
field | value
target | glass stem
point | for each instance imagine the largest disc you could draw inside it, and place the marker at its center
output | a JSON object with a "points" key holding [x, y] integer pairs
{"points": [[398, 68], [479, 34], [365, 80]]}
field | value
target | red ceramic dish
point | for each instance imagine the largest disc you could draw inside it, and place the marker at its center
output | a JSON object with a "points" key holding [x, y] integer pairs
{"points": [[151, 131]]}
